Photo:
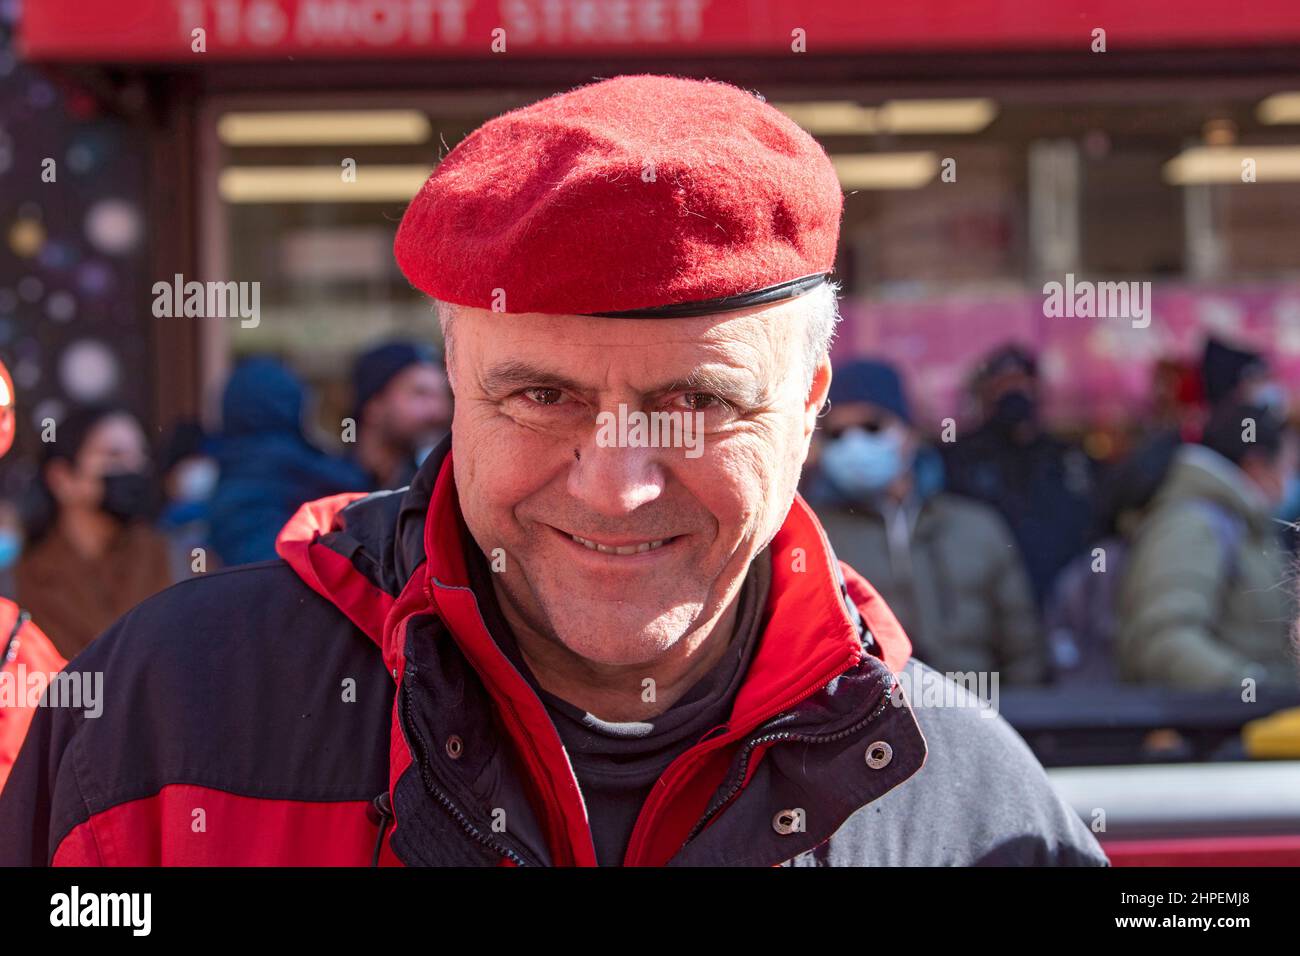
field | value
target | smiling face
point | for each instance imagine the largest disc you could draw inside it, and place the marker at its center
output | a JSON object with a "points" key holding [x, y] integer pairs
{"points": [[623, 555]]}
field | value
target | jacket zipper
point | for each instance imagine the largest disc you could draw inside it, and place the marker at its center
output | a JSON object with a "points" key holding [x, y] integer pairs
{"points": [[426, 773], [738, 778], [780, 712], [482, 622]]}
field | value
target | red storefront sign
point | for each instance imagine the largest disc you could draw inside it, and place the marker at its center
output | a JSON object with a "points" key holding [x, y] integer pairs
{"points": [[164, 30]]}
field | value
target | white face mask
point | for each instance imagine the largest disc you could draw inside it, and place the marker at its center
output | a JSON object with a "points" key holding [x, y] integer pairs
{"points": [[196, 480], [1270, 395], [862, 464]]}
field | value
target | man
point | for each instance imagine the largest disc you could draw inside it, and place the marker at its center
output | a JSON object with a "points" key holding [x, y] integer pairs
{"points": [[1041, 486], [566, 643], [403, 409], [25, 651], [1203, 600], [947, 565]]}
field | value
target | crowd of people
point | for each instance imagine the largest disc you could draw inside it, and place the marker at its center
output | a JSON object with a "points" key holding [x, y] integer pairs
{"points": [[1009, 549], [111, 520]]}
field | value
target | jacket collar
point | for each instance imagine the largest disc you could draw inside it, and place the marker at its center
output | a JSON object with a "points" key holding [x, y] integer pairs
{"points": [[823, 622]]}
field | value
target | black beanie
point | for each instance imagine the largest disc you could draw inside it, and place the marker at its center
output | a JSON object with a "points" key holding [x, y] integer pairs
{"points": [[1223, 367], [374, 369], [872, 382]]}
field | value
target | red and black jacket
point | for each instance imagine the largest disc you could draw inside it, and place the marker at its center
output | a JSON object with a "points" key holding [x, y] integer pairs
{"points": [[24, 650], [346, 705]]}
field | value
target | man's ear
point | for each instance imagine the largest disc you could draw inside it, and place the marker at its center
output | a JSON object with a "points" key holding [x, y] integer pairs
{"points": [[817, 392]]}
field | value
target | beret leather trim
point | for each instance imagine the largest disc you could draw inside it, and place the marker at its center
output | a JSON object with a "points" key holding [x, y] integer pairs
{"points": [[727, 303]]}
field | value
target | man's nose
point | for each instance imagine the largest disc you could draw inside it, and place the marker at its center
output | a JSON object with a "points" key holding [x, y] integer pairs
{"points": [[615, 480]]}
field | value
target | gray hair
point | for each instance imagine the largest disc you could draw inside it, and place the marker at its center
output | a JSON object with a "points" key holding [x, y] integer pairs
{"points": [[823, 304], [823, 317]]}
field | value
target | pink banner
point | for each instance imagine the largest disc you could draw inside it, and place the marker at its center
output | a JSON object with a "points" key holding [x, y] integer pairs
{"points": [[1095, 369]]}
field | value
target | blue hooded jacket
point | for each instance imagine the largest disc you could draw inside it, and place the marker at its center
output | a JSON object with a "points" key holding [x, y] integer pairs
{"points": [[268, 468]]}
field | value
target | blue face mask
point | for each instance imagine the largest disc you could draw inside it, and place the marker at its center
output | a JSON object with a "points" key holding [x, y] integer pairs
{"points": [[861, 464], [11, 546]]}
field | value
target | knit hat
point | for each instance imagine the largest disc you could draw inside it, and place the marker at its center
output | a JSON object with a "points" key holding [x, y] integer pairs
{"points": [[374, 369], [871, 382], [1223, 367]]}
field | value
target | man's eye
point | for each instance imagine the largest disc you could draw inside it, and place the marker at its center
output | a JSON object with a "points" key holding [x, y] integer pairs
{"points": [[702, 401], [544, 396]]}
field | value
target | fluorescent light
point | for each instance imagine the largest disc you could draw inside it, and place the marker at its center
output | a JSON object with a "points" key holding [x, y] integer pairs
{"points": [[1279, 108], [324, 127], [832, 117], [1223, 164], [885, 170], [279, 184], [938, 116], [903, 117]]}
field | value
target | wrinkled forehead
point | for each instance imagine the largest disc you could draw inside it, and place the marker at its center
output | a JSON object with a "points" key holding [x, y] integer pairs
{"points": [[763, 343]]}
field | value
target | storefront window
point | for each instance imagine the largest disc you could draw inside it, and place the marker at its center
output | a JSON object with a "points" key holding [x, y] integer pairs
{"points": [[306, 203]]}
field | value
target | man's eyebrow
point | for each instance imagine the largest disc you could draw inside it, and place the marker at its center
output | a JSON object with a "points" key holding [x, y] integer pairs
{"points": [[512, 376], [742, 390]]}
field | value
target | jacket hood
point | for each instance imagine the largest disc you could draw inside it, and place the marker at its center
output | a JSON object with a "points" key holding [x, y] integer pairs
{"points": [[262, 396], [361, 552], [1198, 473]]}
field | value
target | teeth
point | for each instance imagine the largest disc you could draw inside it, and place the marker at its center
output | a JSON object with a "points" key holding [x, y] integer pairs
{"points": [[625, 549]]}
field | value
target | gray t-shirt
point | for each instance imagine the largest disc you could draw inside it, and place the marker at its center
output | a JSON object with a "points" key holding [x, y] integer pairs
{"points": [[617, 764]]}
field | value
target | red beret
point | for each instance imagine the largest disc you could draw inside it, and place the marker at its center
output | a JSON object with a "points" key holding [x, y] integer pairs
{"points": [[635, 193]]}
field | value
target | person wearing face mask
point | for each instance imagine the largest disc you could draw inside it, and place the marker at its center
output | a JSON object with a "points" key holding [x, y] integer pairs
{"points": [[1043, 487], [91, 552], [1232, 375], [1203, 600], [1237, 376], [947, 565]]}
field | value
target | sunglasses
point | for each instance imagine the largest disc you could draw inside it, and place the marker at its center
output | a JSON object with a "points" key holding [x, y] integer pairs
{"points": [[871, 427]]}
